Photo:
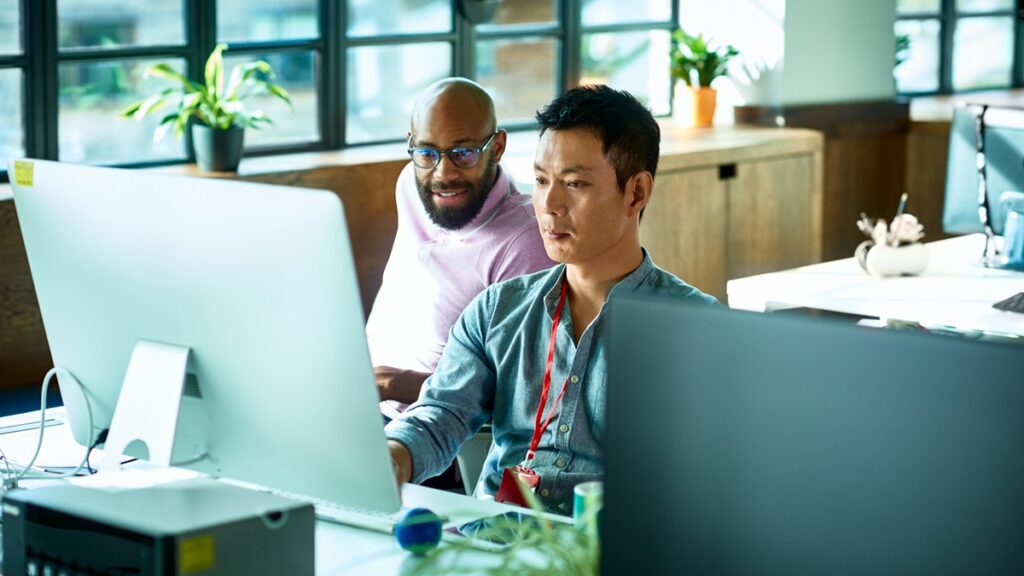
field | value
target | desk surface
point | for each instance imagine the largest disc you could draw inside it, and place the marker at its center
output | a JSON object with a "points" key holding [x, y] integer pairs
{"points": [[340, 550], [955, 290]]}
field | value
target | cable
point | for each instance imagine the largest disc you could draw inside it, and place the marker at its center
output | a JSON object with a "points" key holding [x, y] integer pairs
{"points": [[100, 439], [42, 424]]}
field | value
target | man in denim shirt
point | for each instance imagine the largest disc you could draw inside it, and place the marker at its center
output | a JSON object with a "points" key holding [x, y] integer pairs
{"points": [[594, 168]]}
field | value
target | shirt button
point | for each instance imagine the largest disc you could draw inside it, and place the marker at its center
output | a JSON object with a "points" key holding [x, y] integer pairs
{"points": [[574, 378], [545, 492], [560, 463], [563, 428]]}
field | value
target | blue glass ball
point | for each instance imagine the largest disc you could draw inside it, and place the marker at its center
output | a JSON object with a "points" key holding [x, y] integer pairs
{"points": [[418, 531]]}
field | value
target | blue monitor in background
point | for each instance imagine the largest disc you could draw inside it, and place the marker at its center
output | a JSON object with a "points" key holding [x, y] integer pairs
{"points": [[741, 443], [999, 133]]}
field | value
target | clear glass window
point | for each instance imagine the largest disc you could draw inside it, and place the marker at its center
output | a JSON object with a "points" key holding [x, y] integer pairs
{"points": [[380, 17], [603, 12], [982, 53], [382, 85], [90, 127], [266, 20], [85, 24], [917, 68], [519, 74], [10, 27], [12, 129], [296, 72], [633, 61]]}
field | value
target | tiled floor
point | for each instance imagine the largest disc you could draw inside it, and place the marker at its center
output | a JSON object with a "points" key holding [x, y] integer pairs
{"points": [[26, 400]]}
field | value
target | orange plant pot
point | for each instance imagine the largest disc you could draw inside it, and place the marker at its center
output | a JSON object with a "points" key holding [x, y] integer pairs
{"points": [[704, 100]]}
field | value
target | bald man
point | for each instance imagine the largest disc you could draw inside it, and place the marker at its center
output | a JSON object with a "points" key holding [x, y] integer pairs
{"points": [[462, 226]]}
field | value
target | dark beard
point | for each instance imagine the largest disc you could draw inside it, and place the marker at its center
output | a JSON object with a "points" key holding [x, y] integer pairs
{"points": [[451, 218]]}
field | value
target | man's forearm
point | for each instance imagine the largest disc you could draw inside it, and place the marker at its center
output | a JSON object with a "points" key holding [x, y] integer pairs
{"points": [[400, 385]]}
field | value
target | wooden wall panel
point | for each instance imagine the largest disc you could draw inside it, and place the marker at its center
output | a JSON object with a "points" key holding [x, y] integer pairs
{"points": [[927, 156], [771, 220], [864, 161], [24, 353], [684, 229]]}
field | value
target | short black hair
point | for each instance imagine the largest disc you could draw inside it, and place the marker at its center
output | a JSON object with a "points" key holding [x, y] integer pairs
{"points": [[629, 134]]}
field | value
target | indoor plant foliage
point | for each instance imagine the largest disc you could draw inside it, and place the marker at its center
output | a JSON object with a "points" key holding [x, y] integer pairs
{"points": [[697, 63], [215, 108]]}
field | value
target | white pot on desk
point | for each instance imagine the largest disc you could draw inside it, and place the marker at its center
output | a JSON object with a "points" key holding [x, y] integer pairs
{"points": [[882, 260]]}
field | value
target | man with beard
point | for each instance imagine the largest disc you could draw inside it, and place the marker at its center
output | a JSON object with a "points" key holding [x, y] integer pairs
{"points": [[530, 354], [462, 226]]}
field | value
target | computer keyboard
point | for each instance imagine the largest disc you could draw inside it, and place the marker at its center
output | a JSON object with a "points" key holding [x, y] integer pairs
{"points": [[348, 515], [1014, 303]]}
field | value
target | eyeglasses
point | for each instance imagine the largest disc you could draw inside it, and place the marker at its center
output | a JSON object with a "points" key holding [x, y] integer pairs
{"points": [[460, 156]]}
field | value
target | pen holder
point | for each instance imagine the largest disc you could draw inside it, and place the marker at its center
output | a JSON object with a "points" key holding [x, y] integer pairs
{"points": [[883, 260]]}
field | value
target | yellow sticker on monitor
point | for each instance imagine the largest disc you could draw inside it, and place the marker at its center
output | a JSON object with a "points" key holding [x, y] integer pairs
{"points": [[23, 172], [195, 554]]}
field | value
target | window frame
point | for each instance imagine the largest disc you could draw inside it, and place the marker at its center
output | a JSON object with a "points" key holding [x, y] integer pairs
{"points": [[41, 57], [948, 17]]}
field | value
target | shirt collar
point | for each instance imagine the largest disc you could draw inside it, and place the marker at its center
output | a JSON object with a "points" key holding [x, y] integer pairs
{"points": [[634, 280]]}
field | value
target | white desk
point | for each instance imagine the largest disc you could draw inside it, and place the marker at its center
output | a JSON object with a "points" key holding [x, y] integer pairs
{"points": [[340, 550], [955, 290]]}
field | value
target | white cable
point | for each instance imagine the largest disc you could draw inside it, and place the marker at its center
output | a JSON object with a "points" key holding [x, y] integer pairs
{"points": [[42, 425]]}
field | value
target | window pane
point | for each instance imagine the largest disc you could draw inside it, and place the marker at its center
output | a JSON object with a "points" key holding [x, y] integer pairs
{"points": [[522, 12], [982, 53], [918, 7], [10, 27], [633, 61], [519, 74], [376, 17], [984, 5], [91, 24], [12, 129], [296, 72], [383, 82], [90, 126], [263, 20], [599, 12], [919, 69]]}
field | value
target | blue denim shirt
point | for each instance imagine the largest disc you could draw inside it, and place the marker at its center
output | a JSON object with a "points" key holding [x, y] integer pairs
{"points": [[492, 369]]}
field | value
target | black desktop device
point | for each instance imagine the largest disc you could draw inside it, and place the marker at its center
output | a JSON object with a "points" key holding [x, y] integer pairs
{"points": [[193, 526], [742, 443]]}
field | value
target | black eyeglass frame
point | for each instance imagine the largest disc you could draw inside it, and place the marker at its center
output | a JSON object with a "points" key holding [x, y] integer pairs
{"points": [[450, 153]]}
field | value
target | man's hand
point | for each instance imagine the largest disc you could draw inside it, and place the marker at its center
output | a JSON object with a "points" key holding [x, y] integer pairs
{"points": [[401, 385], [401, 462]]}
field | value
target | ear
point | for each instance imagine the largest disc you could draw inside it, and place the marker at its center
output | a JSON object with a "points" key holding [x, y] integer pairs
{"points": [[498, 146], [638, 192]]}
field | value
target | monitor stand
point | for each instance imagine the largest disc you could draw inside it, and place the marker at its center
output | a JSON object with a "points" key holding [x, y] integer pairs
{"points": [[149, 403]]}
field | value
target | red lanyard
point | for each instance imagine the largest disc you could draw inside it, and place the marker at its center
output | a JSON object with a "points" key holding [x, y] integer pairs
{"points": [[538, 426]]}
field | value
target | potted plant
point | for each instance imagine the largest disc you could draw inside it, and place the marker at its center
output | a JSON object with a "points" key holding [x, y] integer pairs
{"points": [[214, 110], [696, 63]]}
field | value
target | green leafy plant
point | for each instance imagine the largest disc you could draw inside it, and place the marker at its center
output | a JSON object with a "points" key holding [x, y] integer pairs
{"points": [[214, 103], [902, 48], [695, 62]]}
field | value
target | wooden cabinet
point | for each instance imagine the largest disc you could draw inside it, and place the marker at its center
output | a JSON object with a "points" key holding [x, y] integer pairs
{"points": [[732, 202]]}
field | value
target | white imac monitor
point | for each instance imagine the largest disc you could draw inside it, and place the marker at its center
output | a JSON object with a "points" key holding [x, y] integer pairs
{"points": [[255, 281]]}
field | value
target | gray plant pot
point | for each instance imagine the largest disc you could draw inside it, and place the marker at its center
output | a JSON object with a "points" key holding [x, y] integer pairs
{"points": [[217, 150]]}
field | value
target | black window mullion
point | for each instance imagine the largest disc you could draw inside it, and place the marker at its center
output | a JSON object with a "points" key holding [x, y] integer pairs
{"points": [[39, 38], [464, 48], [572, 14], [1018, 45], [123, 54], [330, 73], [947, 32]]}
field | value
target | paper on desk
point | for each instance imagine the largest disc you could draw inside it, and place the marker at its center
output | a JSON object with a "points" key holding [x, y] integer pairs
{"points": [[134, 478]]}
